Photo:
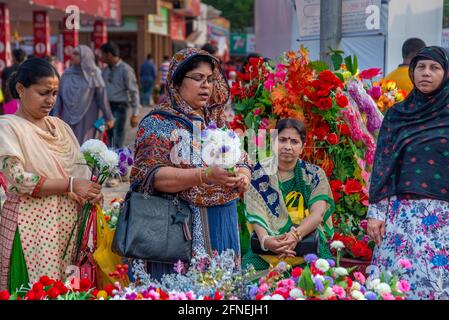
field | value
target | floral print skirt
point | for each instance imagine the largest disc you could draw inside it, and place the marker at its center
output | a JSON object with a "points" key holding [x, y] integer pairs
{"points": [[416, 230]]}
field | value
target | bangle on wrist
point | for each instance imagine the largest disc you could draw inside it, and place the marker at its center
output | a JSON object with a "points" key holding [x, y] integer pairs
{"points": [[262, 243], [71, 184]]}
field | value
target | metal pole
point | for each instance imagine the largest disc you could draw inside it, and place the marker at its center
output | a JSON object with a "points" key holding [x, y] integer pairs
{"points": [[330, 27]]}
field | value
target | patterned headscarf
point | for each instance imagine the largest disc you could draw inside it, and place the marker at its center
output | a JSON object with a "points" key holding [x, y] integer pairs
{"points": [[220, 94], [412, 152]]}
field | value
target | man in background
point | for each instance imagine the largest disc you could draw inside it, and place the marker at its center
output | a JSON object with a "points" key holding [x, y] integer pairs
{"points": [[400, 75], [147, 79], [123, 92]]}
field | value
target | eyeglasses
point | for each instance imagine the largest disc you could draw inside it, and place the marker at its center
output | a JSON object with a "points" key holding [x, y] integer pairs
{"points": [[284, 140], [201, 78]]}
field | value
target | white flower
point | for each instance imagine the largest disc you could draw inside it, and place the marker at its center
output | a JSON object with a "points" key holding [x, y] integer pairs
{"points": [[327, 293], [355, 286], [372, 284], [383, 288], [109, 158], [93, 146], [296, 294], [357, 295], [337, 245], [277, 297], [322, 265], [341, 272]]}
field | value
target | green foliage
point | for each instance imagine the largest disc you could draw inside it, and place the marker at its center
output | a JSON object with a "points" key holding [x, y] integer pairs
{"points": [[240, 13]]}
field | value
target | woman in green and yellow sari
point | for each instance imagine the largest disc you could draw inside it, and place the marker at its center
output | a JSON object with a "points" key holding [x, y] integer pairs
{"points": [[288, 199]]}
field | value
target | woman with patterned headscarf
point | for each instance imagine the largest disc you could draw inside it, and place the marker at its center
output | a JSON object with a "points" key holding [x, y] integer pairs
{"points": [[197, 93], [409, 192], [82, 98]]}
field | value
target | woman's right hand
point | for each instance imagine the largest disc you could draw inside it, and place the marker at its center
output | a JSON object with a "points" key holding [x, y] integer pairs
{"points": [[86, 189], [279, 246], [220, 176], [376, 230]]}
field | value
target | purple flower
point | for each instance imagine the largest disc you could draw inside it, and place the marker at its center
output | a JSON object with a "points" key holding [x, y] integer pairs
{"points": [[212, 126], [318, 285], [253, 291], [309, 258], [225, 149], [369, 295], [331, 262], [122, 157], [132, 296], [331, 281]]}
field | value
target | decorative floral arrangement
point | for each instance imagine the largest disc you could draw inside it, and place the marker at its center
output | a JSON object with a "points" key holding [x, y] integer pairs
{"points": [[220, 278], [325, 280], [220, 147], [386, 93], [360, 248]]}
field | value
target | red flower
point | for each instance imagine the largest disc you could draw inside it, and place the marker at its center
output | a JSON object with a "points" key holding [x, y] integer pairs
{"points": [[61, 287], [336, 185], [4, 295], [85, 284], [336, 196], [163, 295], [46, 281], [259, 296], [53, 293], [296, 272], [218, 295], [344, 129], [352, 186], [332, 138], [370, 73], [37, 287], [349, 282], [324, 104], [108, 288], [329, 77], [324, 90], [342, 100]]}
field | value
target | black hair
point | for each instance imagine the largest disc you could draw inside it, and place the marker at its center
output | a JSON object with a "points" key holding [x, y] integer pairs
{"points": [[30, 72], [411, 47], [110, 47], [19, 55], [294, 124], [210, 48], [189, 65]]}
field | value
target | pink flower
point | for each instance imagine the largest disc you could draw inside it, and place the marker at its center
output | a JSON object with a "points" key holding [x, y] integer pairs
{"points": [[263, 288], [339, 291], [387, 296], [405, 263], [364, 224], [403, 286], [360, 277]]}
